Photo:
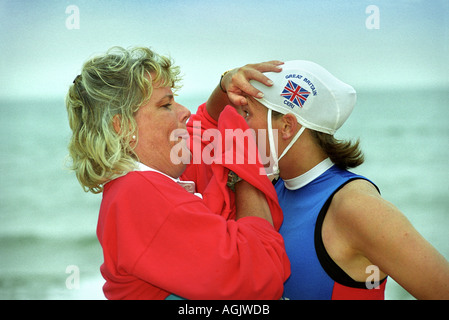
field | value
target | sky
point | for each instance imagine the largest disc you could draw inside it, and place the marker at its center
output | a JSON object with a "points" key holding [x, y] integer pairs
{"points": [[398, 44]]}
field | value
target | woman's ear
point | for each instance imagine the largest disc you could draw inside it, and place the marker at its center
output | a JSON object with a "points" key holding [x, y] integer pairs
{"points": [[116, 123], [289, 126]]}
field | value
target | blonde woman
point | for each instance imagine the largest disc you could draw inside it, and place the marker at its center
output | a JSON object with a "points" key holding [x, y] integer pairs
{"points": [[158, 238]]}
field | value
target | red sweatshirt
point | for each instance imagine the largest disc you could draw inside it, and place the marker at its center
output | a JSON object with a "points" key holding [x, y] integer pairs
{"points": [[158, 239]]}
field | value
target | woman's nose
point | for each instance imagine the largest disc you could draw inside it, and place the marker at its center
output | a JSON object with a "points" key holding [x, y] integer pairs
{"points": [[184, 113]]}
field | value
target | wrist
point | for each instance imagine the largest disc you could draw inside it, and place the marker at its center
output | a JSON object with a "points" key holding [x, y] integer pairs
{"points": [[221, 79], [251, 202], [233, 179]]}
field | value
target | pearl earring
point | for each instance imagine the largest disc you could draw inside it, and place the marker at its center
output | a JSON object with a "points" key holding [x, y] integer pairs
{"points": [[134, 137]]}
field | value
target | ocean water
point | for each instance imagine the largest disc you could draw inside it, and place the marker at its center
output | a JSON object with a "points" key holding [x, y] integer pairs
{"points": [[48, 223]]}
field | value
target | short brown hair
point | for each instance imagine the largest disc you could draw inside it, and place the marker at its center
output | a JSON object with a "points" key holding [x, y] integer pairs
{"points": [[345, 154]]}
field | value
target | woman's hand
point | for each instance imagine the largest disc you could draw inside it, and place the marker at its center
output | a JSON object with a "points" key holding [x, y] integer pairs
{"points": [[234, 86], [236, 81]]}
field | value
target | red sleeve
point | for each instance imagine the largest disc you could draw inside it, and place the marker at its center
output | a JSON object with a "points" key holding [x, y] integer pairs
{"points": [[155, 232], [196, 126], [211, 178], [201, 256], [217, 197], [241, 147]]}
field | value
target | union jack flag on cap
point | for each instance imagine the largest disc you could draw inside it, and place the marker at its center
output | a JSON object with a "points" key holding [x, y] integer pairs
{"points": [[294, 93]]}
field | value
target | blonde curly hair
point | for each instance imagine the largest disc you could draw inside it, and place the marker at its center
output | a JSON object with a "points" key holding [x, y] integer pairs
{"points": [[115, 83]]}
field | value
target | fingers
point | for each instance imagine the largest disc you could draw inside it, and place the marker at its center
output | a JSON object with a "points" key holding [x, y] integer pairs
{"points": [[268, 66], [237, 100], [256, 72], [257, 76], [239, 85]]}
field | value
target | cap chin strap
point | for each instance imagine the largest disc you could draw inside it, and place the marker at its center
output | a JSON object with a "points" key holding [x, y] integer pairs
{"points": [[273, 151]]}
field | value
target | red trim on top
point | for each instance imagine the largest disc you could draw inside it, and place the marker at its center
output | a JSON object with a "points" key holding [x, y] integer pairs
{"points": [[342, 292]]}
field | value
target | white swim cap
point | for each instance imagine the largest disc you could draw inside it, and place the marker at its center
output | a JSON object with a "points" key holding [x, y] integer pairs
{"points": [[319, 101]]}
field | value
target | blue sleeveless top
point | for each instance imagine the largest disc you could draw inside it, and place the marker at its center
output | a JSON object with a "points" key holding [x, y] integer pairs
{"points": [[314, 275]]}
